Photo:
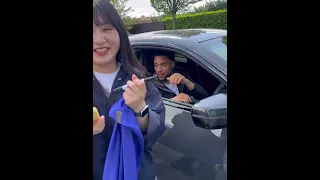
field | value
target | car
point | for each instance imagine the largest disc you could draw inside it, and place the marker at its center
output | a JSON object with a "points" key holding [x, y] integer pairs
{"points": [[194, 144], [129, 34]]}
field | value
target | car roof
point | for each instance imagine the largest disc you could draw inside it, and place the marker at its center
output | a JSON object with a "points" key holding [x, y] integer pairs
{"points": [[197, 35], [189, 38]]}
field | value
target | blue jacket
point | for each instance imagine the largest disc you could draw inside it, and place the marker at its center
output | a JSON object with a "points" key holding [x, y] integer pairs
{"points": [[126, 145], [155, 128]]}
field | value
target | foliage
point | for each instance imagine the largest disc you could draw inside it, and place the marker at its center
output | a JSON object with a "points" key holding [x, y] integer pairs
{"points": [[121, 7], [211, 6], [212, 19], [172, 7]]}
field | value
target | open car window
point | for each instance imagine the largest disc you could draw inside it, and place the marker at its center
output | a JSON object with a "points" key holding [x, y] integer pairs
{"points": [[186, 65]]}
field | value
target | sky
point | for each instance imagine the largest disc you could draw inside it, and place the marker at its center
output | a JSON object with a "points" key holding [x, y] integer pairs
{"points": [[143, 7]]}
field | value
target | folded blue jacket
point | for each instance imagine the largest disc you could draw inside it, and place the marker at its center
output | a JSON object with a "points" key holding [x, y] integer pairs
{"points": [[126, 145]]}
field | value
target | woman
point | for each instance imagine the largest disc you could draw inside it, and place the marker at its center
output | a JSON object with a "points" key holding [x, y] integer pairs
{"points": [[114, 65]]}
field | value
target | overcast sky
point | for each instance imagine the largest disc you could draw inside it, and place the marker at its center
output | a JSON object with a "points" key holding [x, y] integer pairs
{"points": [[143, 7]]}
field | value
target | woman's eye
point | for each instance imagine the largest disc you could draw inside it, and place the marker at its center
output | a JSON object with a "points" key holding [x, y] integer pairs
{"points": [[106, 29]]}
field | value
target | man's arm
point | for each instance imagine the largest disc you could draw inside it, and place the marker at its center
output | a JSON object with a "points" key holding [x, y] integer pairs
{"points": [[193, 89]]}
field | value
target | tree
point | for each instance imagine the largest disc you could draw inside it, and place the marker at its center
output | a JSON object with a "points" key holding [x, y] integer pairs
{"points": [[156, 18], [129, 22], [121, 7], [213, 5], [172, 7]]}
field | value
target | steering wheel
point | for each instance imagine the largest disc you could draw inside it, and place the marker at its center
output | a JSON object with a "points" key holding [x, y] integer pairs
{"points": [[219, 89]]}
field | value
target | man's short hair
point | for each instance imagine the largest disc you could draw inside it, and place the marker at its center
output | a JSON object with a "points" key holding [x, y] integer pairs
{"points": [[170, 55]]}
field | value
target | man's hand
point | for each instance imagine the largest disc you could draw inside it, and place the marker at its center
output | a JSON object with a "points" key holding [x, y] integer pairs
{"points": [[182, 97], [176, 78], [98, 125]]}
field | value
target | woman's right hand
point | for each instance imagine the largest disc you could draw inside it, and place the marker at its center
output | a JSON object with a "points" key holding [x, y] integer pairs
{"points": [[98, 125]]}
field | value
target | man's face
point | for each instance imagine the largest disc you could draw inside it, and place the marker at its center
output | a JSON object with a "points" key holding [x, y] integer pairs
{"points": [[163, 66]]}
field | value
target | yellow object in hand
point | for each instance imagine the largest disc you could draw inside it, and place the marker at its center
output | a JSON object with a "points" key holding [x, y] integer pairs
{"points": [[95, 114]]}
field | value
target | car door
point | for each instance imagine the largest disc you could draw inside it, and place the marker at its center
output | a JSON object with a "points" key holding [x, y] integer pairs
{"points": [[185, 151]]}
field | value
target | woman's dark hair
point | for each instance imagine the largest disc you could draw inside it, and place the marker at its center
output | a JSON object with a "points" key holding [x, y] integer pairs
{"points": [[105, 13]]}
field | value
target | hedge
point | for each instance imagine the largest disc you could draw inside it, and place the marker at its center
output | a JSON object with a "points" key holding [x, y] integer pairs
{"points": [[211, 19]]}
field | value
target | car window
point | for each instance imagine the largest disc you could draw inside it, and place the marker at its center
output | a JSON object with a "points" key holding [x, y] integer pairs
{"points": [[196, 74], [137, 54], [217, 46], [180, 58]]}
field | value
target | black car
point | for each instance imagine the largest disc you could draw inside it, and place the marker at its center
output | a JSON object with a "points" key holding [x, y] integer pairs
{"points": [[194, 146]]}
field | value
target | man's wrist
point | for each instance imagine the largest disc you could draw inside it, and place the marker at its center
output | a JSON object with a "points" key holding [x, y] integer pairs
{"points": [[190, 85], [185, 81]]}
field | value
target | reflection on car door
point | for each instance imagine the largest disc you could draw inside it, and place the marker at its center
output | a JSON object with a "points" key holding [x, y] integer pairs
{"points": [[185, 151]]}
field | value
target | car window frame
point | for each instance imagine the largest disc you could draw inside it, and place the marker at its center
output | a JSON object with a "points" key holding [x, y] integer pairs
{"points": [[187, 54]]}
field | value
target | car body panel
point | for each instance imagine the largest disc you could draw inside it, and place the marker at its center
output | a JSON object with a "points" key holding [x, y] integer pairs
{"points": [[186, 151]]}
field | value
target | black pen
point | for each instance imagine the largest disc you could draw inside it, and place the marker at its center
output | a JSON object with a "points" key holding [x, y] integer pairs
{"points": [[122, 88]]}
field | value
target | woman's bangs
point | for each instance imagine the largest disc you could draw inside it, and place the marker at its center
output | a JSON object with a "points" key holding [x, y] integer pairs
{"points": [[100, 17]]}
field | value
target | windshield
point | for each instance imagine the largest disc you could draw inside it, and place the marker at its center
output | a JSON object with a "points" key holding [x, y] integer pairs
{"points": [[217, 46]]}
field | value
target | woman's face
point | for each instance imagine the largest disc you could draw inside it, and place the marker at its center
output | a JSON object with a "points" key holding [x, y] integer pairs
{"points": [[106, 44]]}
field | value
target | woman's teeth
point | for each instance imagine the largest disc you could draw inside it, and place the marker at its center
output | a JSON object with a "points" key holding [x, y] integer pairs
{"points": [[102, 49]]}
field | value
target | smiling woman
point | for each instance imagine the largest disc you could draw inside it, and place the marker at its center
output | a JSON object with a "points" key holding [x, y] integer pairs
{"points": [[112, 26], [115, 65]]}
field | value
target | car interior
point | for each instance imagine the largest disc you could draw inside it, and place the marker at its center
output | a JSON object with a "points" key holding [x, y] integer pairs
{"points": [[196, 72]]}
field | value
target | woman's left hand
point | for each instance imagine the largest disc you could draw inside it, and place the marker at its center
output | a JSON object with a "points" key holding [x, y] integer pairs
{"points": [[135, 94], [98, 125]]}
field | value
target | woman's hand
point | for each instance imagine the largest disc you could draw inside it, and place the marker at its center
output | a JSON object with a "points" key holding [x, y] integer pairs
{"points": [[98, 125], [134, 97], [135, 94]]}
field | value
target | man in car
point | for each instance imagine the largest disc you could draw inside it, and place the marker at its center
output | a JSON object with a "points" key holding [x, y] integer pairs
{"points": [[173, 85]]}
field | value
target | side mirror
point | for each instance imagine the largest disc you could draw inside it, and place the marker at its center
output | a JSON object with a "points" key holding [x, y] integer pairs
{"points": [[211, 113]]}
